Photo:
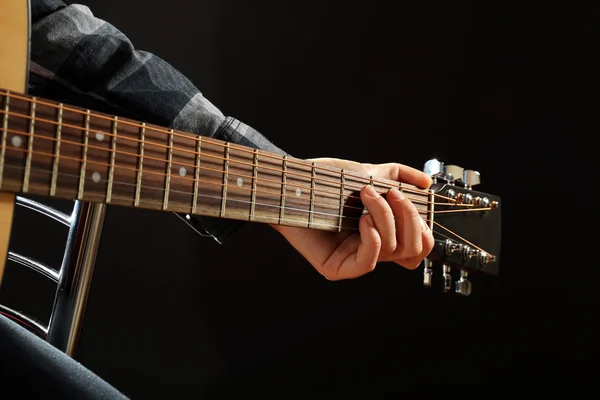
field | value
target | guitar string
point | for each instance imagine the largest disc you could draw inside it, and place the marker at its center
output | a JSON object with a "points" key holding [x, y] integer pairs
{"points": [[463, 239], [81, 112], [278, 169], [456, 236], [335, 196], [189, 137], [158, 203], [31, 99], [336, 216], [162, 174], [124, 138]]}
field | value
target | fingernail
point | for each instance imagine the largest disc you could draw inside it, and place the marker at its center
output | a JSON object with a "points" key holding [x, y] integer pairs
{"points": [[371, 192], [369, 220], [395, 194], [423, 224]]}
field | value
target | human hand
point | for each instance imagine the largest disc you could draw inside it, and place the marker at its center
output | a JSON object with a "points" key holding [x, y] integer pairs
{"points": [[392, 231]]}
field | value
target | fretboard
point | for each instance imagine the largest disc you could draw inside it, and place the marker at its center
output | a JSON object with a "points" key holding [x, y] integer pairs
{"points": [[63, 151]]}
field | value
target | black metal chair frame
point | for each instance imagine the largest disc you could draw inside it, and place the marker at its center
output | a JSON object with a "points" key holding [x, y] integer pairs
{"points": [[73, 279]]}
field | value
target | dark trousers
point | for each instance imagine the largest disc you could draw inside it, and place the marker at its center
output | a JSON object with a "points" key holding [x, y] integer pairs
{"points": [[30, 368]]}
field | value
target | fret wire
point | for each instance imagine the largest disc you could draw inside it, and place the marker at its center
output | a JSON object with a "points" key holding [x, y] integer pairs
{"points": [[84, 156], [163, 175], [8, 94], [313, 175], [196, 175], [29, 155], [113, 154], [156, 173], [189, 151], [225, 178], [157, 202], [136, 124], [4, 134], [59, 117], [184, 150], [138, 186], [169, 166], [90, 130], [341, 200], [283, 186], [254, 179], [87, 161]]}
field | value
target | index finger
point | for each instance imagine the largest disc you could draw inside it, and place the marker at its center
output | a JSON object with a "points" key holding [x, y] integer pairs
{"points": [[404, 173]]}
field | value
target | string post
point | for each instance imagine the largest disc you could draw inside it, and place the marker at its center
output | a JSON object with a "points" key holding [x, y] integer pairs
{"points": [[485, 258], [469, 252]]}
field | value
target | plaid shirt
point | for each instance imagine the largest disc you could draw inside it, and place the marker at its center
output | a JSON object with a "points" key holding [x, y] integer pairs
{"points": [[80, 59]]}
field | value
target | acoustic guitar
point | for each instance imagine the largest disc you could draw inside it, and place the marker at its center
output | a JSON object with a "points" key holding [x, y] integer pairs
{"points": [[64, 151]]}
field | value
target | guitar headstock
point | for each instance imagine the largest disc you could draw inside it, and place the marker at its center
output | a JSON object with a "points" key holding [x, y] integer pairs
{"points": [[466, 226]]}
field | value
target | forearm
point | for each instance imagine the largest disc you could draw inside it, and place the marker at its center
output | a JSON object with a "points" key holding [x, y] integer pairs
{"points": [[81, 53], [79, 58]]}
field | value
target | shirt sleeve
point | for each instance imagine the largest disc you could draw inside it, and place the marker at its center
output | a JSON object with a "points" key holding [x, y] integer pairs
{"points": [[80, 59]]}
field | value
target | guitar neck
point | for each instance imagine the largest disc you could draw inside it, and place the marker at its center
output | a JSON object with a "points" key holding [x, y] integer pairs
{"points": [[51, 149]]}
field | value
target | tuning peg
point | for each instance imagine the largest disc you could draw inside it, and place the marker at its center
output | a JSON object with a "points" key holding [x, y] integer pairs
{"points": [[463, 285], [469, 252], [471, 178], [427, 272], [446, 274], [453, 173], [452, 246]]}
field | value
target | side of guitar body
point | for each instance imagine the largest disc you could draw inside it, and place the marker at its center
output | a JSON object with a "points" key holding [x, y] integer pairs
{"points": [[14, 59]]}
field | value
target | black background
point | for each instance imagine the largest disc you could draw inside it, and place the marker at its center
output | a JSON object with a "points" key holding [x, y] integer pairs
{"points": [[502, 88]]}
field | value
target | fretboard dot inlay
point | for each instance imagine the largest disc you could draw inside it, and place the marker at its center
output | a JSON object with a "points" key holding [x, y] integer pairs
{"points": [[71, 153], [17, 141]]}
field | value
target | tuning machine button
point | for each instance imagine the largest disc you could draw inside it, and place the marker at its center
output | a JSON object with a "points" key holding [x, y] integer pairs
{"points": [[453, 173], [434, 169], [446, 275], [463, 285], [470, 178]]}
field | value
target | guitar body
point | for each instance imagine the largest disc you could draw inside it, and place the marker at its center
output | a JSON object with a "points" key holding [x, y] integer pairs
{"points": [[14, 61]]}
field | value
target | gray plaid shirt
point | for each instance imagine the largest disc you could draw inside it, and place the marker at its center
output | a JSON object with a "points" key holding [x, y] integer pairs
{"points": [[80, 59]]}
